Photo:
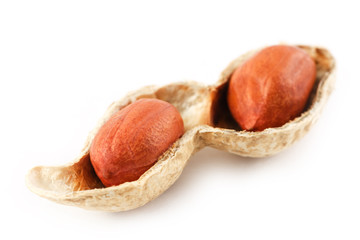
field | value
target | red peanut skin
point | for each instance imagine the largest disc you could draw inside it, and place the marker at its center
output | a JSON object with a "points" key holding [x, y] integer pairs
{"points": [[133, 139], [271, 88]]}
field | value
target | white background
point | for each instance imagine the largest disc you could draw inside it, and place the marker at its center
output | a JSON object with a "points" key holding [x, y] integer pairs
{"points": [[63, 62]]}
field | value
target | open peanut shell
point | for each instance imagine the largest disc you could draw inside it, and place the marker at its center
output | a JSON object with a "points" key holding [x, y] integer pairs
{"points": [[207, 121]]}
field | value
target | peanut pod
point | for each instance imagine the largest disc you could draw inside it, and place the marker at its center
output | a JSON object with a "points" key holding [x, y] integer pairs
{"points": [[207, 122]]}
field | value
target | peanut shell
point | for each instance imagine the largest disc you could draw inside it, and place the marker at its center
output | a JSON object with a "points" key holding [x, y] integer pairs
{"points": [[207, 122]]}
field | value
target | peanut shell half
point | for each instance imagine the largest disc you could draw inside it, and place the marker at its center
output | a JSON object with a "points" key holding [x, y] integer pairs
{"points": [[207, 122]]}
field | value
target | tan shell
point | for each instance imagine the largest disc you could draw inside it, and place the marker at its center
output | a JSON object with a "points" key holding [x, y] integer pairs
{"points": [[207, 123]]}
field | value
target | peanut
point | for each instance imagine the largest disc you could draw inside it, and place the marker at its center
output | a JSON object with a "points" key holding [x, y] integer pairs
{"points": [[132, 140], [271, 88]]}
